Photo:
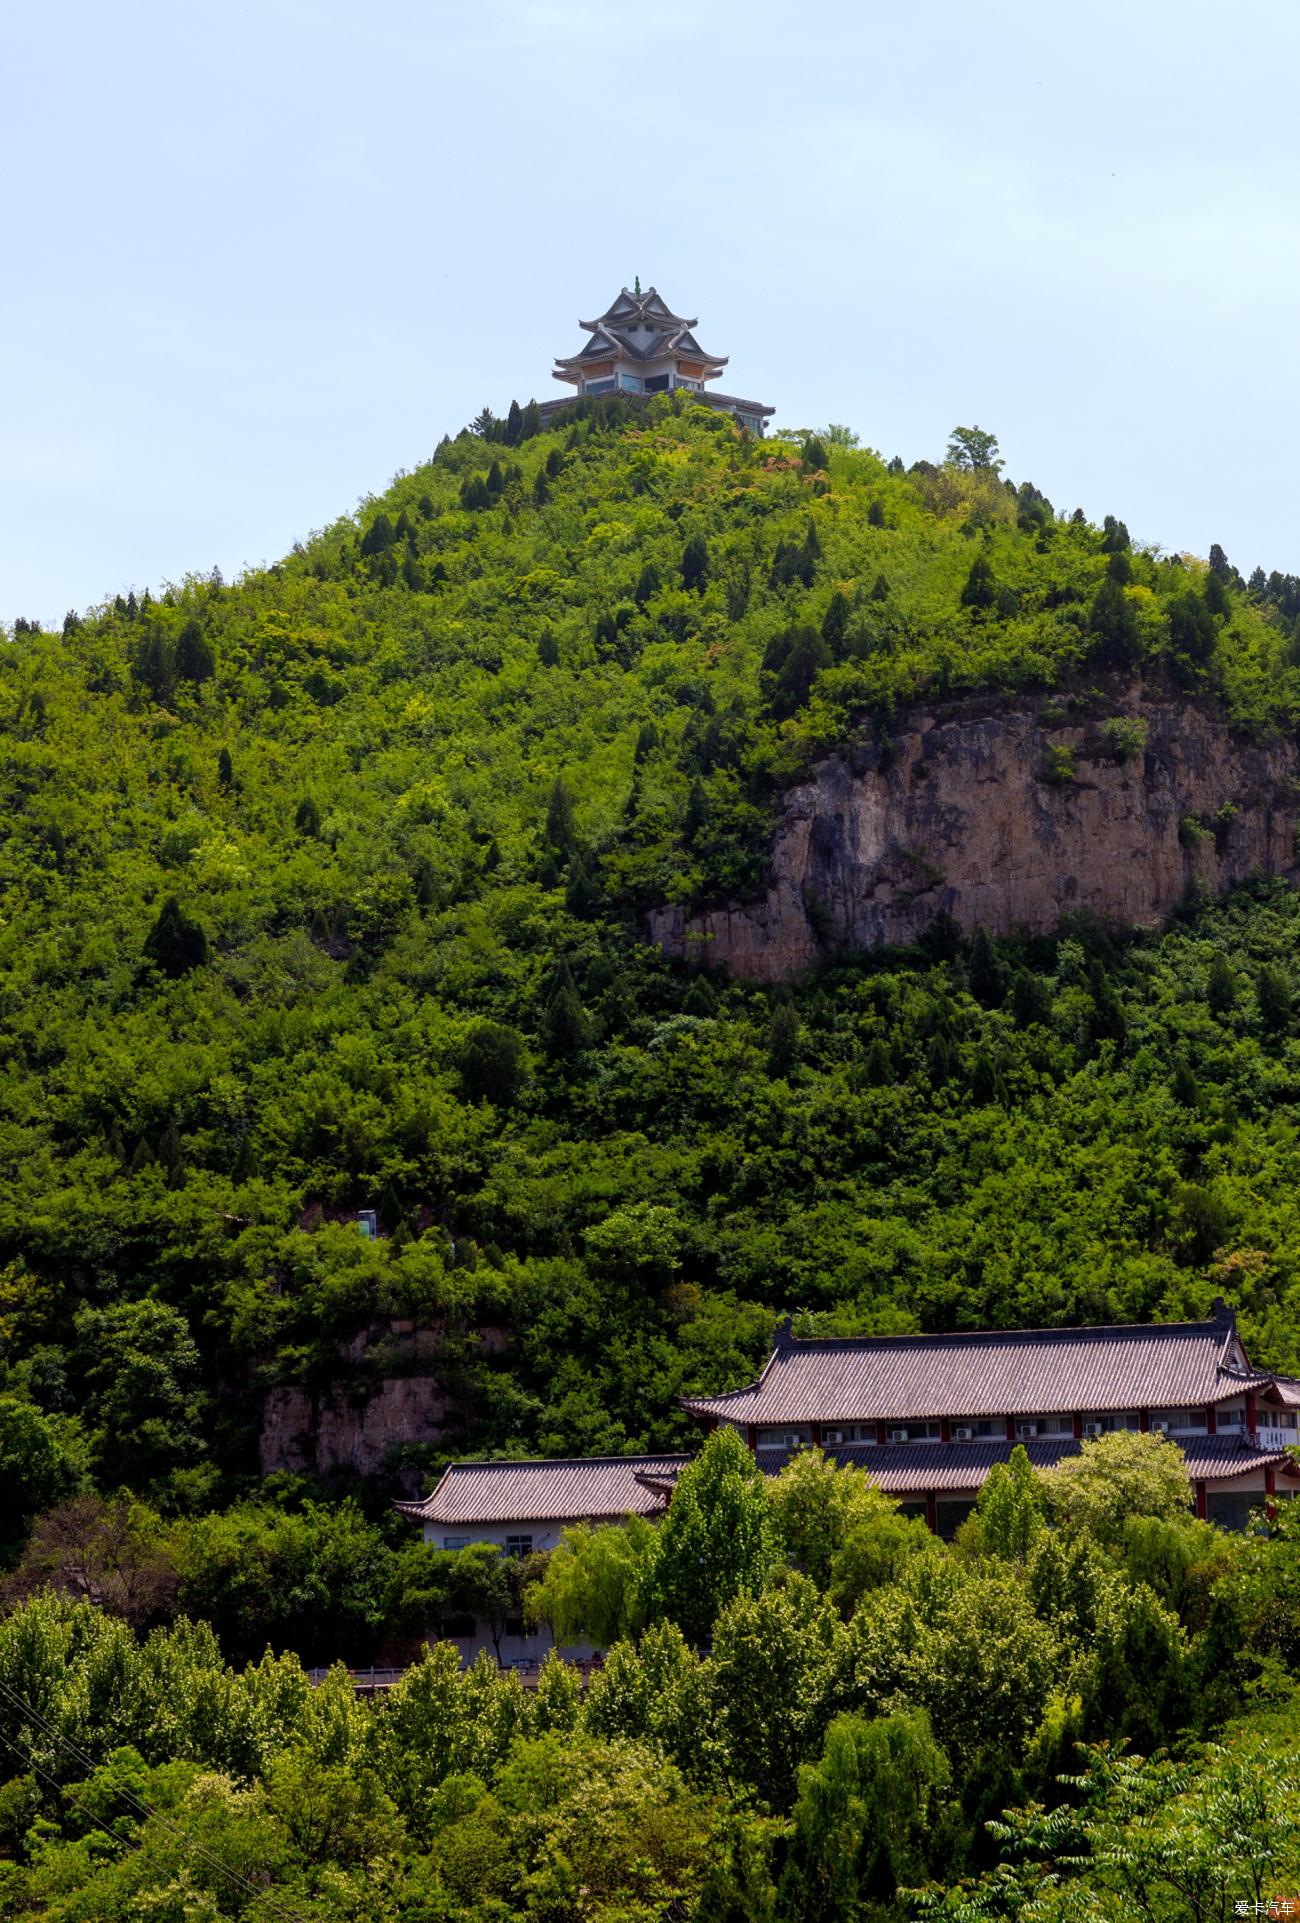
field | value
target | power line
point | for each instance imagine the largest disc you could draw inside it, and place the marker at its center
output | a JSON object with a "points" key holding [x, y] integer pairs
{"points": [[140, 1806]]}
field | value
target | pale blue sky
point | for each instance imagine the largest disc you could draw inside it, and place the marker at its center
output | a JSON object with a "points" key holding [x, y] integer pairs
{"points": [[258, 257]]}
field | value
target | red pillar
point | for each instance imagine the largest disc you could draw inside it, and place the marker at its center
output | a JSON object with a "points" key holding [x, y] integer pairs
{"points": [[1011, 1428], [751, 1437], [1078, 1427], [1200, 1501], [816, 1429], [881, 1437], [1144, 1420], [932, 1512], [1251, 1423], [1211, 1420], [945, 1429]]}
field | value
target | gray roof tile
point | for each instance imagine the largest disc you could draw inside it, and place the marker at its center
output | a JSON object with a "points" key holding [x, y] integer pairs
{"points": [[990, 1373], [949, 1468], [558, 1490]]}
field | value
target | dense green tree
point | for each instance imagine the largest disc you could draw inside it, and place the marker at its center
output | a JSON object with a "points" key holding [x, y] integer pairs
{"points": [[975, 449], [176, 943], [715, 1542]]}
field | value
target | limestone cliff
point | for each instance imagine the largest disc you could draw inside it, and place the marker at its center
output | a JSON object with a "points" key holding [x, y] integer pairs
{"points": [[1008, 814]]}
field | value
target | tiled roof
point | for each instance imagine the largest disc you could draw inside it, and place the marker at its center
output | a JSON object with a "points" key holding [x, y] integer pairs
{"points": [[950, 1468], [1288, 1389], [1017, 1372], [559, 1490]]}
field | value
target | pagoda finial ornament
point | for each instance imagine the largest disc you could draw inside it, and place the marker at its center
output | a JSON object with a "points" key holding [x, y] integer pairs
{"points": [[639, 346]]}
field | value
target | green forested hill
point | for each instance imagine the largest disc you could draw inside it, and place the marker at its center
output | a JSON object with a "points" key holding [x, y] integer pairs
{"points": [[322, 890]]}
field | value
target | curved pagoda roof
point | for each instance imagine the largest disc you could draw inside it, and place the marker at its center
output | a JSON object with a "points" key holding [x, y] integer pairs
{"points": [[643, 327], [993, 1373]]}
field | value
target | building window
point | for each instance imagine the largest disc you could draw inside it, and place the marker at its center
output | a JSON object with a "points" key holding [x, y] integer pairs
{"points": [[455, 1542], [1178, 1421], [784, 1438], [656, 383], [598, 387], [519, 1545], [977, 1431], [913, 1432], [1233, 1417], [1105, 1422]]}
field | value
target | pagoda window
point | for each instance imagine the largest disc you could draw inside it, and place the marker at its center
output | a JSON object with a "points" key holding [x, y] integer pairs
{"points": [[598, 387], [657, 383], [1232, 1415], [785, 1437], [631, 383]]}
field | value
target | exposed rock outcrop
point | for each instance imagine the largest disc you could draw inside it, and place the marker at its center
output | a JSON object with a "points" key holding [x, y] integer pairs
{"points": [[391, 1393], [1008, 815]]}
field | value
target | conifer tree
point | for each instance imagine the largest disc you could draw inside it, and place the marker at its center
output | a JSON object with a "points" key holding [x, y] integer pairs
{"points": [[307, 818], [835, 623], [175, 944], [514, 425], [783, 1036], [195, 660], [561, 834], [225, 771], [695, 564]]}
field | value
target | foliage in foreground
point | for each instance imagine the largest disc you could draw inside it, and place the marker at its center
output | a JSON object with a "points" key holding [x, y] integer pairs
{"points": [[962, 1727]]}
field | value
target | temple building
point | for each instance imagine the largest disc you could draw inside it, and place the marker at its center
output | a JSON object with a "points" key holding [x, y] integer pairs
{"points": [[927, 1416], [524, 1506], [639, 346]]}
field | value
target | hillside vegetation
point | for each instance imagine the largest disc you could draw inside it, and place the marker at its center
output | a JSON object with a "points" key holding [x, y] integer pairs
{"points": [[322, 890]]}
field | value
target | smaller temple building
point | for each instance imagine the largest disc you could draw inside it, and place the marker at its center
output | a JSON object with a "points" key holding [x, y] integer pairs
{"points": [[639, 346], [927, 1416], [524, 1506]]}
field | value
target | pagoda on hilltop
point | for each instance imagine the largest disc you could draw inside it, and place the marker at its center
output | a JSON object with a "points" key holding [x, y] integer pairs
{"points": [[639, 346]]}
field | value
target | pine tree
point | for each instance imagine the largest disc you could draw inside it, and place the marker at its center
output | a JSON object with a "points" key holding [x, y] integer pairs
{"points": [[783, 1037], [1220, 987], [532, 422], [835, 623], [1273, 996], [1114, 626], [984, 972], [494, 481], [695, 564], [561, 834], [1216, 594], [195, 660], [981, 590], [564, 1024], [225, 771], [548, 649], [307, 818], [155, 663], [647, 584], [814, 452], [175, 944], [876, 514], [378, 536], [514, 425]]}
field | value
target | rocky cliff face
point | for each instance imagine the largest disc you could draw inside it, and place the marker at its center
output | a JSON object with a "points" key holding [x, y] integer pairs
{"points": [[1008, 816], [360, 1422]]}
